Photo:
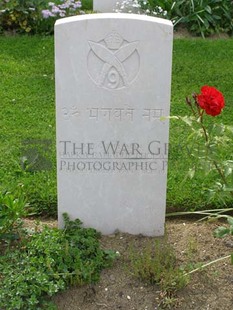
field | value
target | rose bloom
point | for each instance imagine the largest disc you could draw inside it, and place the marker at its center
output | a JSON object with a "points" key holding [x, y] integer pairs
{"points": [[211, 100]]}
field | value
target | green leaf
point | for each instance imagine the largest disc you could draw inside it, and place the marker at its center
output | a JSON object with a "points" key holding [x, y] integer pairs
{"points": [[208, 9], [191, 173], [172, 117], [228, 171], [230, 220], [230, 128], [228, 189], [187, 120], [221, 232]]}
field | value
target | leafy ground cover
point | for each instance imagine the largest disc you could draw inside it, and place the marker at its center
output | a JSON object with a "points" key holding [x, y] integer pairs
{"points": [[42, 263], [120, 287], [27, 116]]}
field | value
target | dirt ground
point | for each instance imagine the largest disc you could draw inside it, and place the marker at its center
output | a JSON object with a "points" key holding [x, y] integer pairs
{"points": [[211, 288]]}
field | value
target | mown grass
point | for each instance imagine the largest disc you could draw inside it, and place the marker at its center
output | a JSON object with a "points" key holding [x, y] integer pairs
{"points": [[27, 114], [196, 62]]}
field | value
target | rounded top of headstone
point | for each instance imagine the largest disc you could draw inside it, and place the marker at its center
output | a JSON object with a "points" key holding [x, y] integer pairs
{"points": [[118, 16]]}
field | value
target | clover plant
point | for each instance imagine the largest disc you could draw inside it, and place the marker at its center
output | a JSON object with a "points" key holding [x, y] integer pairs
{"points": [[49, 261]]}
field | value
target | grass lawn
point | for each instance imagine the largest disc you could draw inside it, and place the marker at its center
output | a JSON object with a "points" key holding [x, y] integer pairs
{"points": [[27, 126]]}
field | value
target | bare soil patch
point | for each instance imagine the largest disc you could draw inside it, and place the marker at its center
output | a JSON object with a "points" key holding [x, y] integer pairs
{"points": [[193, 243]]}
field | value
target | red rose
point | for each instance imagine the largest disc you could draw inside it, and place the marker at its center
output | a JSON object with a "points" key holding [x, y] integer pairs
{"points": [[211, 100]]}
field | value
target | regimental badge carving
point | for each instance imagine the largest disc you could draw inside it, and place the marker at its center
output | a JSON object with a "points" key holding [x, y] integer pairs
{"points": [[113, 63]]}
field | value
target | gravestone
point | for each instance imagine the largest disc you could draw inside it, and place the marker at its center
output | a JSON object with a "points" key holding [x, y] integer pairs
{"points": [[113, 78], [104, 6]]}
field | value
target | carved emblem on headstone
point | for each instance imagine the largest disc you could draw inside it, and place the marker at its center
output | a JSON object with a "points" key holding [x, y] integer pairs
{"points": [[113, 62]]}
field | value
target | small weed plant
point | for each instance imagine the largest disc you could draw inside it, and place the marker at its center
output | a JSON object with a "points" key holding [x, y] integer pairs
{"points": [[157, 265], [12, 210], [223, 231], [47, 262]]}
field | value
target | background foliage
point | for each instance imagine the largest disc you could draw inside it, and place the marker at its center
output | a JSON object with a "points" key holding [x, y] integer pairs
{"points": [[201, 17], [26, 16]]}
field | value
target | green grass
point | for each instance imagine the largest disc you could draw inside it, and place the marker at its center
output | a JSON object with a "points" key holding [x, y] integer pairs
{"points": [[28, 112], [196, 62]]}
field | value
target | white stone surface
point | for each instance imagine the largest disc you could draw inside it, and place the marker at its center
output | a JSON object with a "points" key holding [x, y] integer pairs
{"points": [[104, 6], [113, 78]]}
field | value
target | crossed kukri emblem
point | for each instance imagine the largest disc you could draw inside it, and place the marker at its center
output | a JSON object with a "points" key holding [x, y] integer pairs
{"points": [[112, 58]]}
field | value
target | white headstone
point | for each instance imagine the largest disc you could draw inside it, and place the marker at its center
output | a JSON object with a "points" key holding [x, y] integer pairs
{"points": [[104, 6], [113, 78]]}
